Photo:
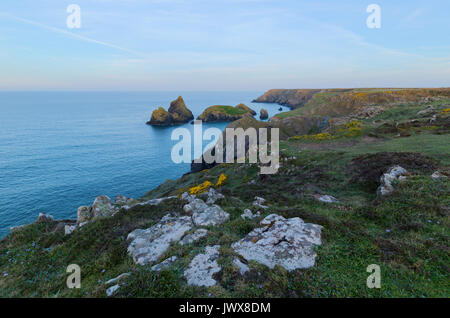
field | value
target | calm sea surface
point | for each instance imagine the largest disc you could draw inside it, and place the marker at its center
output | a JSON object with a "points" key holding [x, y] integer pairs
{"points": [[59, 150]]}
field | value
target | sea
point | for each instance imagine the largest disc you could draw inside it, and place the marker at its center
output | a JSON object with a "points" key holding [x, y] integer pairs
{"points": [[60, 150]]}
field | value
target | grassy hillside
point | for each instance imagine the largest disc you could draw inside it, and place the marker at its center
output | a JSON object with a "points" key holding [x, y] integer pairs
{"points": [[335, 103], [406, 232]]}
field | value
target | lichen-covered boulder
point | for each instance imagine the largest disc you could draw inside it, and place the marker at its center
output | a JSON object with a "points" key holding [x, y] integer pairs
{"points": [[148, 245], [326, 198], [202, 268], [164, 264], [103, 207], [387, 180], [84, 214], [286, 242], [191, 238]]}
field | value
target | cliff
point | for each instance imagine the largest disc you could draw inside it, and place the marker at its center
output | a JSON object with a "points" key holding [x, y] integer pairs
{"points": [[370, 188]]}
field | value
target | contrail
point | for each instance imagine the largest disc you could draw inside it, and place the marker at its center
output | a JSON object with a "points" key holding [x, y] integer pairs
{"points": [[70, 34]]}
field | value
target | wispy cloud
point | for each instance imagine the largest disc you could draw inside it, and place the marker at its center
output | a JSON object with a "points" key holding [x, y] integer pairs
{"points": [[71, 34]]}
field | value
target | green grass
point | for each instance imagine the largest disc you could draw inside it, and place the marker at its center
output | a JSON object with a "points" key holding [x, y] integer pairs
{"points": [[406, 233]]}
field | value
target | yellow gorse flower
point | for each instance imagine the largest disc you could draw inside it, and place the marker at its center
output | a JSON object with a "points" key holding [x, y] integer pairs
{"points": [[201, 188], [221, 180]]}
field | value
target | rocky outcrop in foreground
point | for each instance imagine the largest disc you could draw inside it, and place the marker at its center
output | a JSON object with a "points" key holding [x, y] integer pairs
{"points": [[286, 242], [178, 114]]}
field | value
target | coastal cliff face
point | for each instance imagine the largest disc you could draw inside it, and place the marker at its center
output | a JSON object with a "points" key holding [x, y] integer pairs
{"points": [[292, 98], [178, 114], [219, 113]]}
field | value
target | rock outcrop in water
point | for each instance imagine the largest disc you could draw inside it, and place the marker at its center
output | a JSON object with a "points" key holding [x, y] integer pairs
{"points": [[263, 114], [178, 114], [220, 113]]}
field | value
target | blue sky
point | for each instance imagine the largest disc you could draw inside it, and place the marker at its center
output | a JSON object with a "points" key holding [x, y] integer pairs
{"points": [[222, 45]]}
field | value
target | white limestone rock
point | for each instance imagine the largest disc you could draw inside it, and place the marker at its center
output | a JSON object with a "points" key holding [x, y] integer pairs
{"points": [[437, 175], [147, 246], [165, 264], [84, 214], [112, 290], [249, 215], [103, 207], [121, 199], [214, 196], [205, 215], [153, 202], [202, 268], [117, 279], [68, 229], [213, 215], [387, 180], [259, 203], [286, 242], [191, 238], [243, 268], [326, 198]]}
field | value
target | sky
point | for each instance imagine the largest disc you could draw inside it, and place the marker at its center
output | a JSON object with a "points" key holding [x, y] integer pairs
{"points": [[213, 45]]}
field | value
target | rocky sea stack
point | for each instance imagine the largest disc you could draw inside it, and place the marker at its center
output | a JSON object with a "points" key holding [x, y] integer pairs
{"points": [[225, 113], [178, 114]]}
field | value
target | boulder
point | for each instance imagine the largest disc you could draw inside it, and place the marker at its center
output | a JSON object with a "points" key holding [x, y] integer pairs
{"points": [[387, 180], [147, 246], [243, 268], [122, 200], [44, 218], [84, 214], [191, 238], [103, 207], [286, 242], [437, 175], [427, 111], [112, 290], [152, 202], [68, 229], [249, 215], [202, 268], [259, 203], [213, 196], [263, 114], [204, 215], [165, 264], [326, 198], [117, 279]]}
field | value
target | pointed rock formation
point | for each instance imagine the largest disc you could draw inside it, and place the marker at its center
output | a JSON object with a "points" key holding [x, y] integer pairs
{"points": [[178, 114]]}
